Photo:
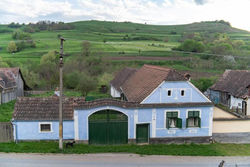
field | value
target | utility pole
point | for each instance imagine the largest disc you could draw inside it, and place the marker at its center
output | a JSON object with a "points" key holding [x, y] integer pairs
{"points": [[60, 97]]}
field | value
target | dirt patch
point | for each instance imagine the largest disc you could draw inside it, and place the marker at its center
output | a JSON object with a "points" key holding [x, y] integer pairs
{"points": [[125, 58]]}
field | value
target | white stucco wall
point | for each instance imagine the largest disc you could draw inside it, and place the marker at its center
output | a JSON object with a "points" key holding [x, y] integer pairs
{"points": [[235, 102], [248, 106], [114, 92]]}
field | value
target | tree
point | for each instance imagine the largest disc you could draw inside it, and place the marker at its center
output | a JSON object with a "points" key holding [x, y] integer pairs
{"points": [[72, 80], [105, 79], [12, 48], [86, 84], [48, 69]]}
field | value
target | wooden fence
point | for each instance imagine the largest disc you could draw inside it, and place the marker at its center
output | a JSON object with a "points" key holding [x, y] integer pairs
{"points": [[6, 132]]}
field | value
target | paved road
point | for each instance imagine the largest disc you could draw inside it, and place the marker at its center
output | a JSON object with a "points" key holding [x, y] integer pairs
{"points": [[115, 160]]}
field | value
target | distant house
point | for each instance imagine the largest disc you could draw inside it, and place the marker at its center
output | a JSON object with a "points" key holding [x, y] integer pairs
{"points": [[159, 105], [232, 90], [121, 77], [12, 84]]}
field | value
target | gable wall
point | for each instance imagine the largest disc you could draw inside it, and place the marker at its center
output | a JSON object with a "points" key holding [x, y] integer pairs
{"points": [[235, 102], [114, 92], [159, 95]]}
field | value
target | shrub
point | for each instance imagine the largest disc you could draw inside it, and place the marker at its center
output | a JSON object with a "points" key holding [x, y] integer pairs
{"points": [[12, 47]]}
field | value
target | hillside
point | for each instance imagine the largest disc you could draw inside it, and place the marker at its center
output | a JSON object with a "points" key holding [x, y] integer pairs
{"points": [[119, 42], [129, 27]]}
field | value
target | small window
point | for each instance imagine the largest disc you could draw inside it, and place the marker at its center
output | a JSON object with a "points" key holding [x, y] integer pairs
{"points": [[193, 119], [169, 92], [172, 120], [239, 104], [45, 127], [182, 93]]}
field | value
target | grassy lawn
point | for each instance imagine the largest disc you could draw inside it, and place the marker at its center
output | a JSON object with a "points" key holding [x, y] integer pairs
{"points": [[157, 149], [6, 111]]}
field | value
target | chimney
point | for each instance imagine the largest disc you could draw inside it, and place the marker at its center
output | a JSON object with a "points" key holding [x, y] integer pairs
{"points": [[187, 76]]}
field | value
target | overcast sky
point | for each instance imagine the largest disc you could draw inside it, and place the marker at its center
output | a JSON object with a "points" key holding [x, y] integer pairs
{"points": [[237, 12]]}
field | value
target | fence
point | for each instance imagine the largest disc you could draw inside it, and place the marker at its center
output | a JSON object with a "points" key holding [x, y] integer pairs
{"points": [[6, 132]]}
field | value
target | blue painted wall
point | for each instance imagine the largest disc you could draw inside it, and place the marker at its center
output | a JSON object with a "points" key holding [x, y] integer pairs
{"points": [[137, 116], [214, 96], [160, 95], [29, 130]]}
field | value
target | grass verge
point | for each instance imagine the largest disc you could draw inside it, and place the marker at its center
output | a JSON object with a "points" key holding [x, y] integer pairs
{"points": [[215, 149]]}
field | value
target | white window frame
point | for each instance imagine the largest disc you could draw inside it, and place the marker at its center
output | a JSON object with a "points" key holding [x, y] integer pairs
{"points": [[165, 117], [42, 123], [199, 116]]}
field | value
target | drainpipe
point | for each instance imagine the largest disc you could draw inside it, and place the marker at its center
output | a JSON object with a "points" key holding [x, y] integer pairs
{"points": [[15, 130]]}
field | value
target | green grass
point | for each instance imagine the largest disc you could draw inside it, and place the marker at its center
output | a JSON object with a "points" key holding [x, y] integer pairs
{"points": [[216, 149], [6, 111], [114, 32]]}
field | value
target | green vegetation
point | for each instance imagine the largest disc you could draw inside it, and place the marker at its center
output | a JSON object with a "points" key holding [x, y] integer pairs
{"points": [[6, 111], [156, 149], [92, 48]]}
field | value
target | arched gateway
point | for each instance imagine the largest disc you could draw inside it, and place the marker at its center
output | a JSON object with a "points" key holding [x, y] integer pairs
{"points": [[108, 127]]}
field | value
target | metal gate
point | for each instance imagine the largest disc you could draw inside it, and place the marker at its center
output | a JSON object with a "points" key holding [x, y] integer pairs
{"points": [[108, 127]]}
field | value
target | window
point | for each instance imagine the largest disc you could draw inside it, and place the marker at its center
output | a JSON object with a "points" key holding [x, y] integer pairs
{"points": [[172, 120], [182, 92], [169, 92], [193, 119], [45, 127]]}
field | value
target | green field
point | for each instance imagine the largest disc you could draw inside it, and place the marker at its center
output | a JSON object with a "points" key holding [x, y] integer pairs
{"points": [[110, 39], [216, 149]]}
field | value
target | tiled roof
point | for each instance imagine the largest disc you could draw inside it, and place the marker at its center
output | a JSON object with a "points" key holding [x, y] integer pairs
{"points": [[34, 108], [121, 77], [126, 104], [234, 82], [7, 77], [139, 85]]}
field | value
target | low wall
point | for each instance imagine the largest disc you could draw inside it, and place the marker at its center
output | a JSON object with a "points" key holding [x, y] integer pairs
{"points": [[231, 137], [231, 131]]}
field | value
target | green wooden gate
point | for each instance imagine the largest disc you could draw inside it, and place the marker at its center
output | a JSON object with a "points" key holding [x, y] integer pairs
{"points": [[108, 127], [142, 133]]}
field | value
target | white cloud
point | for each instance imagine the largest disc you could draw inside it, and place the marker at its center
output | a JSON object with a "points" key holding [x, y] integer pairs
{"points": [[152, 12]]}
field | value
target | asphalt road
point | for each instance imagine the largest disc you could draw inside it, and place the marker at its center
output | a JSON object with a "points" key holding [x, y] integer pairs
{"points": [[115, 160]]}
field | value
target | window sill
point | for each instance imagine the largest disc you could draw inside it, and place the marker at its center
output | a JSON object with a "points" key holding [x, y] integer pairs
{"points": [[46, 132], [195, 127]]}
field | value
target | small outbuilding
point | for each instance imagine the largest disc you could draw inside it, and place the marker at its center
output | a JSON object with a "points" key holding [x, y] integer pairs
{"points": [[12, 84]]}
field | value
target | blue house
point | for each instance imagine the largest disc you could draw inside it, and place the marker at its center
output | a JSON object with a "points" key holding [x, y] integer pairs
{"points": [[159, 105]]}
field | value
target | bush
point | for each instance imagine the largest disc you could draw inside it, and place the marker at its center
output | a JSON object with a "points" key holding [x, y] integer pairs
{"points": [[203, 83], [86, 84], [190, 45], [20, 35], [12, 47], [72, 80]]}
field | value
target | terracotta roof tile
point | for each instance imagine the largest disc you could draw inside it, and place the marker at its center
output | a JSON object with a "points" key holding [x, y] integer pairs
{"points": [[138, 86], [35, 108]]}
